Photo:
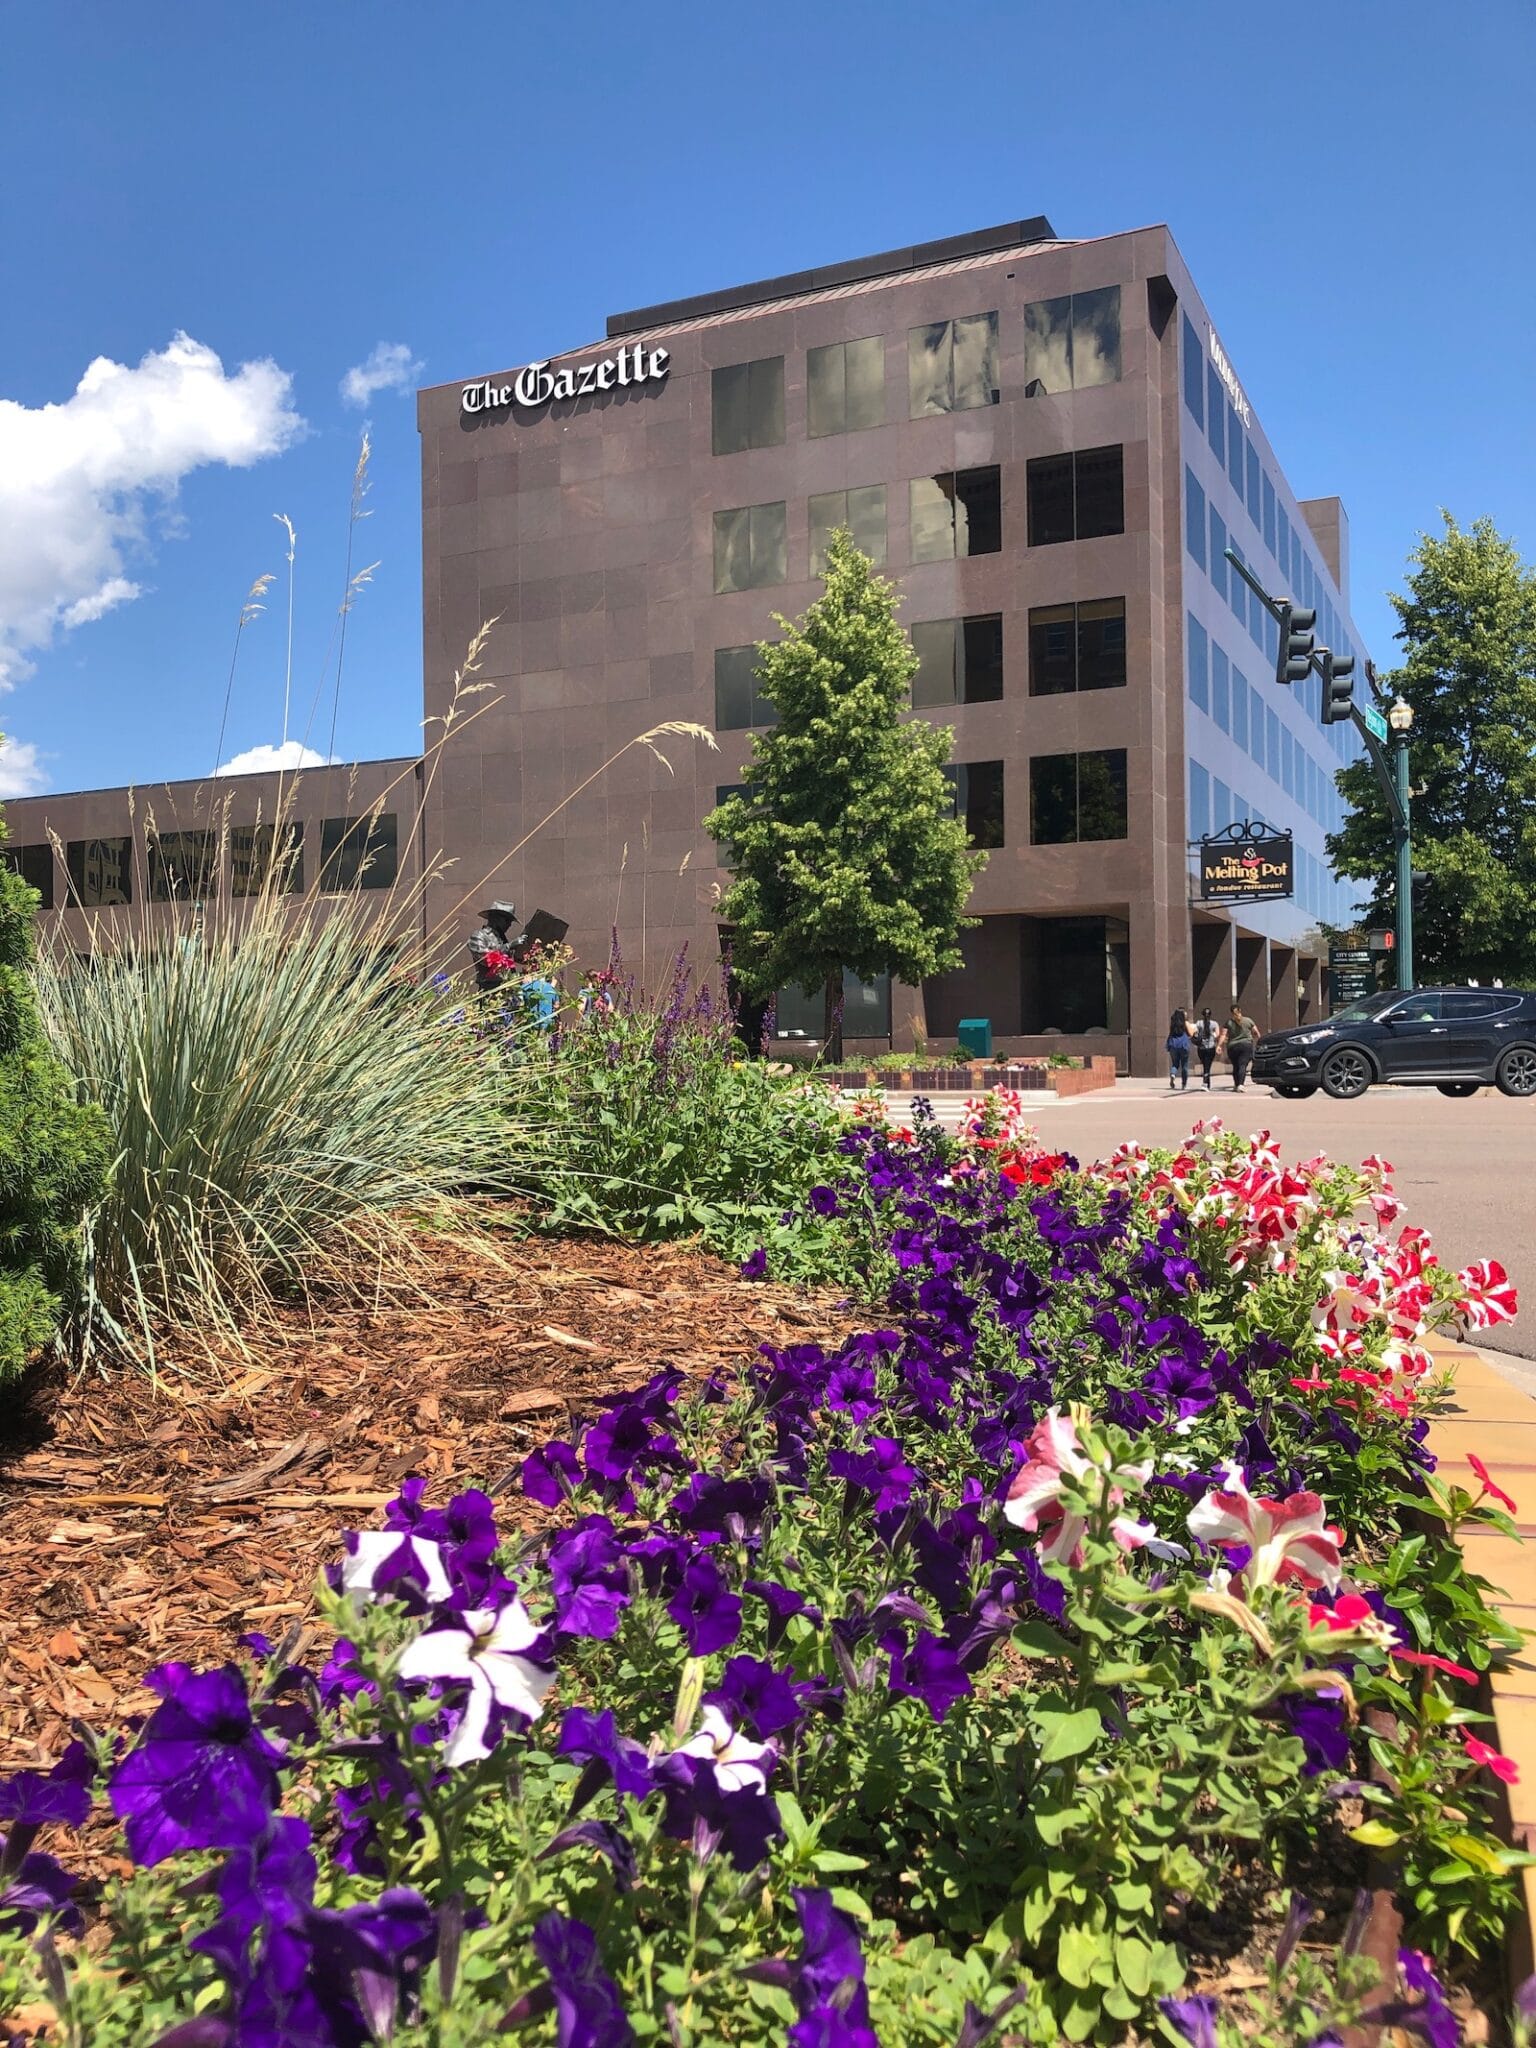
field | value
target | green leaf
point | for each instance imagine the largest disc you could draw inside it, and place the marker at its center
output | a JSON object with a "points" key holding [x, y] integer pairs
{"points": [[834, 1860], [1039, 1639], [1077, 1952], [1375, 1834], [1480, 1854], [1065, 1735]]}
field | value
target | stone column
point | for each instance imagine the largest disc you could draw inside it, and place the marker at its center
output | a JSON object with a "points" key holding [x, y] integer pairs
{"points": [[1253, 978], [1213, 962], [1283, 988]]}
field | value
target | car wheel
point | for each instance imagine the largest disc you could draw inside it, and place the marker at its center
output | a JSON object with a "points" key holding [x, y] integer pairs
{"points": [[1458, 1087], [1516, 1073], [1346, 1074], [1295, 1091]]}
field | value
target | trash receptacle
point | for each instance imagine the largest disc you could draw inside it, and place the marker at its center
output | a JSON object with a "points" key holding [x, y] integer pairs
{"points": [[975, 1035]]}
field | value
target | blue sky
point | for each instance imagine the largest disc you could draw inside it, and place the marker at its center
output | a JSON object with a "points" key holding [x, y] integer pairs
{"points": [[293, 185]]}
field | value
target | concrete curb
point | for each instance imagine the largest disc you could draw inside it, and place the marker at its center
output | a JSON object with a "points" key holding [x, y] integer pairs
{"points": [[1497, 1420]]}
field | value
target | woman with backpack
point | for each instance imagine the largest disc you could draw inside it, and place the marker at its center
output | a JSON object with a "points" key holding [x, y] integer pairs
{"points": [[1179, 1045], [1207, 1040]]}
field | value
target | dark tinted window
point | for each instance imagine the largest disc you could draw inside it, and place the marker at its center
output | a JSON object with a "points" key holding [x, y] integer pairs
{"points": [[1072, 343], [862, 510], [1215, 413], [952, 365], [358, 852], [1255, 499], [1461, 1003], [1194, 373], [34, 864], [960, 660], [750, 547], [1077, 796], [1269, 513], [1077, 647], [181, 866], [1235, 445], [748, 405], [738, 702], [1199, 662], [978, 787], [1194, 517], [1218, 551], [257, 852], [845, 386], [959, 513], [100, 871], [1076, 497]]}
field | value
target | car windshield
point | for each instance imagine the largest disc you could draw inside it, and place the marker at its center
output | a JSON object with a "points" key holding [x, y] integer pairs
{"points": [[1367, 1007]]}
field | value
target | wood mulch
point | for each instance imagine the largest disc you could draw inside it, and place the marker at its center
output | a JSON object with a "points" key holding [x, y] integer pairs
{"points": [[143, 1522]]}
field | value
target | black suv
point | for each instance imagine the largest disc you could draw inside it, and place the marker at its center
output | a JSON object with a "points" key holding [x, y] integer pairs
{"points": [[1453, 1039]]}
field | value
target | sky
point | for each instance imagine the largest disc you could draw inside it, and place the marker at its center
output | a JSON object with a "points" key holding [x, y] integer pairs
{"points": [[236, 238]]}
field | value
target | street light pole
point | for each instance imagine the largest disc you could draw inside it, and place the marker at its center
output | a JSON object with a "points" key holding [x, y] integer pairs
{"points": [[1400, 719]]}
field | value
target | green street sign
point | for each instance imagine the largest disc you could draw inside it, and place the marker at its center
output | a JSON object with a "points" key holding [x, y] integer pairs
{"points": [[1373, 722]]}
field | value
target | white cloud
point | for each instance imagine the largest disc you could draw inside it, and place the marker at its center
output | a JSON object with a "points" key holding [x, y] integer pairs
{"points": [[76, 478], [20, 771], [391, 367], [262, 760]]}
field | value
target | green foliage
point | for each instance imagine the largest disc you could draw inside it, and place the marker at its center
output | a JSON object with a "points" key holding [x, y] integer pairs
{"points": [[844, 845], [667, 1128], [273, 1089], [53, 1150], [1469, 671]]}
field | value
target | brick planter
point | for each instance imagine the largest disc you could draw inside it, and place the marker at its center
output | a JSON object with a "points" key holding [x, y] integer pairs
{"points": [[1032, 1075], [1098, 1073], [943, 1080]]}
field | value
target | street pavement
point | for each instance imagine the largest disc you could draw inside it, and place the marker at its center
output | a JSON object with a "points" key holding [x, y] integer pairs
{"points": [[1465, 1169]]}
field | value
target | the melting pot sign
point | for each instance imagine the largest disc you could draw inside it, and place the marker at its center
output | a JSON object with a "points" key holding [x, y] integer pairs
{"points": [[540, 383], [1246, 866]]}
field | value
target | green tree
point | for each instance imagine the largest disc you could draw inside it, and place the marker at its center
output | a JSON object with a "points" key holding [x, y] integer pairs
{"points": [[844, 845], [1468, 630], [53, 1150]]}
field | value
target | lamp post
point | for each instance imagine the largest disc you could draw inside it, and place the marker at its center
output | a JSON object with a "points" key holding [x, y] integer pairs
{"points": [[1400, 719]]}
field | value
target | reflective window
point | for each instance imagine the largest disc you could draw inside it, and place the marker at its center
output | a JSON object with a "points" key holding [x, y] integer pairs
{"points": [[182, 866], [34, 864], [1194, 373], [748, 405], [952, 365], [978, 787], [845, 386], [100, 871], [1072, 343], [358, 852], [1240, 709], [739, 704], [1199, 801], [861, 510], [1218, 551], [1077, 647], [866, 1009], [1222, 809], [1236, 441], [1077, 796], [1221, 689], [1215, 414], [1283, 552], [1255, 501], [1458, 1003], [1076, 497], [960, 661], [959, 513], [1199, 659], [750, 547], [1194, 517], [261, 857], [1269, 513]]}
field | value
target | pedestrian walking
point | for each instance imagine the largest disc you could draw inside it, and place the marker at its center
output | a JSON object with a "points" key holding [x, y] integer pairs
{"points": [[1179, 1046], [1207, 1040], [1241, 1034]]}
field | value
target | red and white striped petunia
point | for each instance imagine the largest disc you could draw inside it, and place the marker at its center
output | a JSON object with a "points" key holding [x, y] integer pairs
{"points": [[1486, 1295], [1290, 1540]]}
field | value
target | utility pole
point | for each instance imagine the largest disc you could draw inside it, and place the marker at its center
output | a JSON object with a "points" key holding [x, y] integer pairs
{"points": [[1378, 725]]}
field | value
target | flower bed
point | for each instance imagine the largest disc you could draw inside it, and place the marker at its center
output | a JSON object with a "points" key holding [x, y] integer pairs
{"points": [[920, 1689]]}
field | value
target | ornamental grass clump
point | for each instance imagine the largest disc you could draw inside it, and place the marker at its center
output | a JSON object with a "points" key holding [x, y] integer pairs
{"points": [[283, 1093]]}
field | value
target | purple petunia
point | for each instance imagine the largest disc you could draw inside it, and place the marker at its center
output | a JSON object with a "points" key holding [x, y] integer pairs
{"points": [[587, 2009], [829, 1978], [756, 1693], [549, 1474], [588, 1579], [201, 1775], [34, 1887], [931, 1672], [1194, 2018], [705, 1608], [594, 1737], [879, 1470], [755, 1264]]}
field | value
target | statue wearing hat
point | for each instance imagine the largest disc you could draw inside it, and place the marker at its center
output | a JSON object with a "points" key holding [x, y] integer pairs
{"points": [[491, 947]]}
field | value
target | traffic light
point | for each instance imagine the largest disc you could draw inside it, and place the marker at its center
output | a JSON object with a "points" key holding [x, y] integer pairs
{"points": [[1419, 891], [1295, 657], [1338, 686]]}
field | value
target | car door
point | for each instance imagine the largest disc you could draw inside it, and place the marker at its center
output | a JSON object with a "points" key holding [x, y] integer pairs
{"points": [[1410, 1038], [1471, 1042]]}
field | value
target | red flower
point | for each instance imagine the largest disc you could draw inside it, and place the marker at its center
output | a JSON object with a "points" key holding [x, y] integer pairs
{"points": [[1312, 1386], [497, 963], [1501, 1766], [1433, 1663], [1488, 1486], [1487, 1296]]}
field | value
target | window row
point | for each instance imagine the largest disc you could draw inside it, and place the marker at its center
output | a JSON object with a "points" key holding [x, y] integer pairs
{"points": [[183, 867], [1218, 687], [960, 661], [959, 513], [1070, 344], [1072, 797]]}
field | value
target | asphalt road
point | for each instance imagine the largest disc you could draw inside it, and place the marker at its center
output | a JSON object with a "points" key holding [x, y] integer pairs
{"points": [[1466, 1170]]}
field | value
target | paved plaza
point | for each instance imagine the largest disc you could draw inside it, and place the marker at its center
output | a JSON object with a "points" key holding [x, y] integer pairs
{"points": [[1466, 1169]]}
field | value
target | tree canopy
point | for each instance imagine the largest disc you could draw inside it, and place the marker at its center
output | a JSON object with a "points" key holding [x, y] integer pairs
{"points": [[844, 845], [1468, 632]]}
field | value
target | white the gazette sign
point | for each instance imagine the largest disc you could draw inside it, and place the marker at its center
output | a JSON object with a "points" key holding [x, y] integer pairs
{"points": [[539, 384]]}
